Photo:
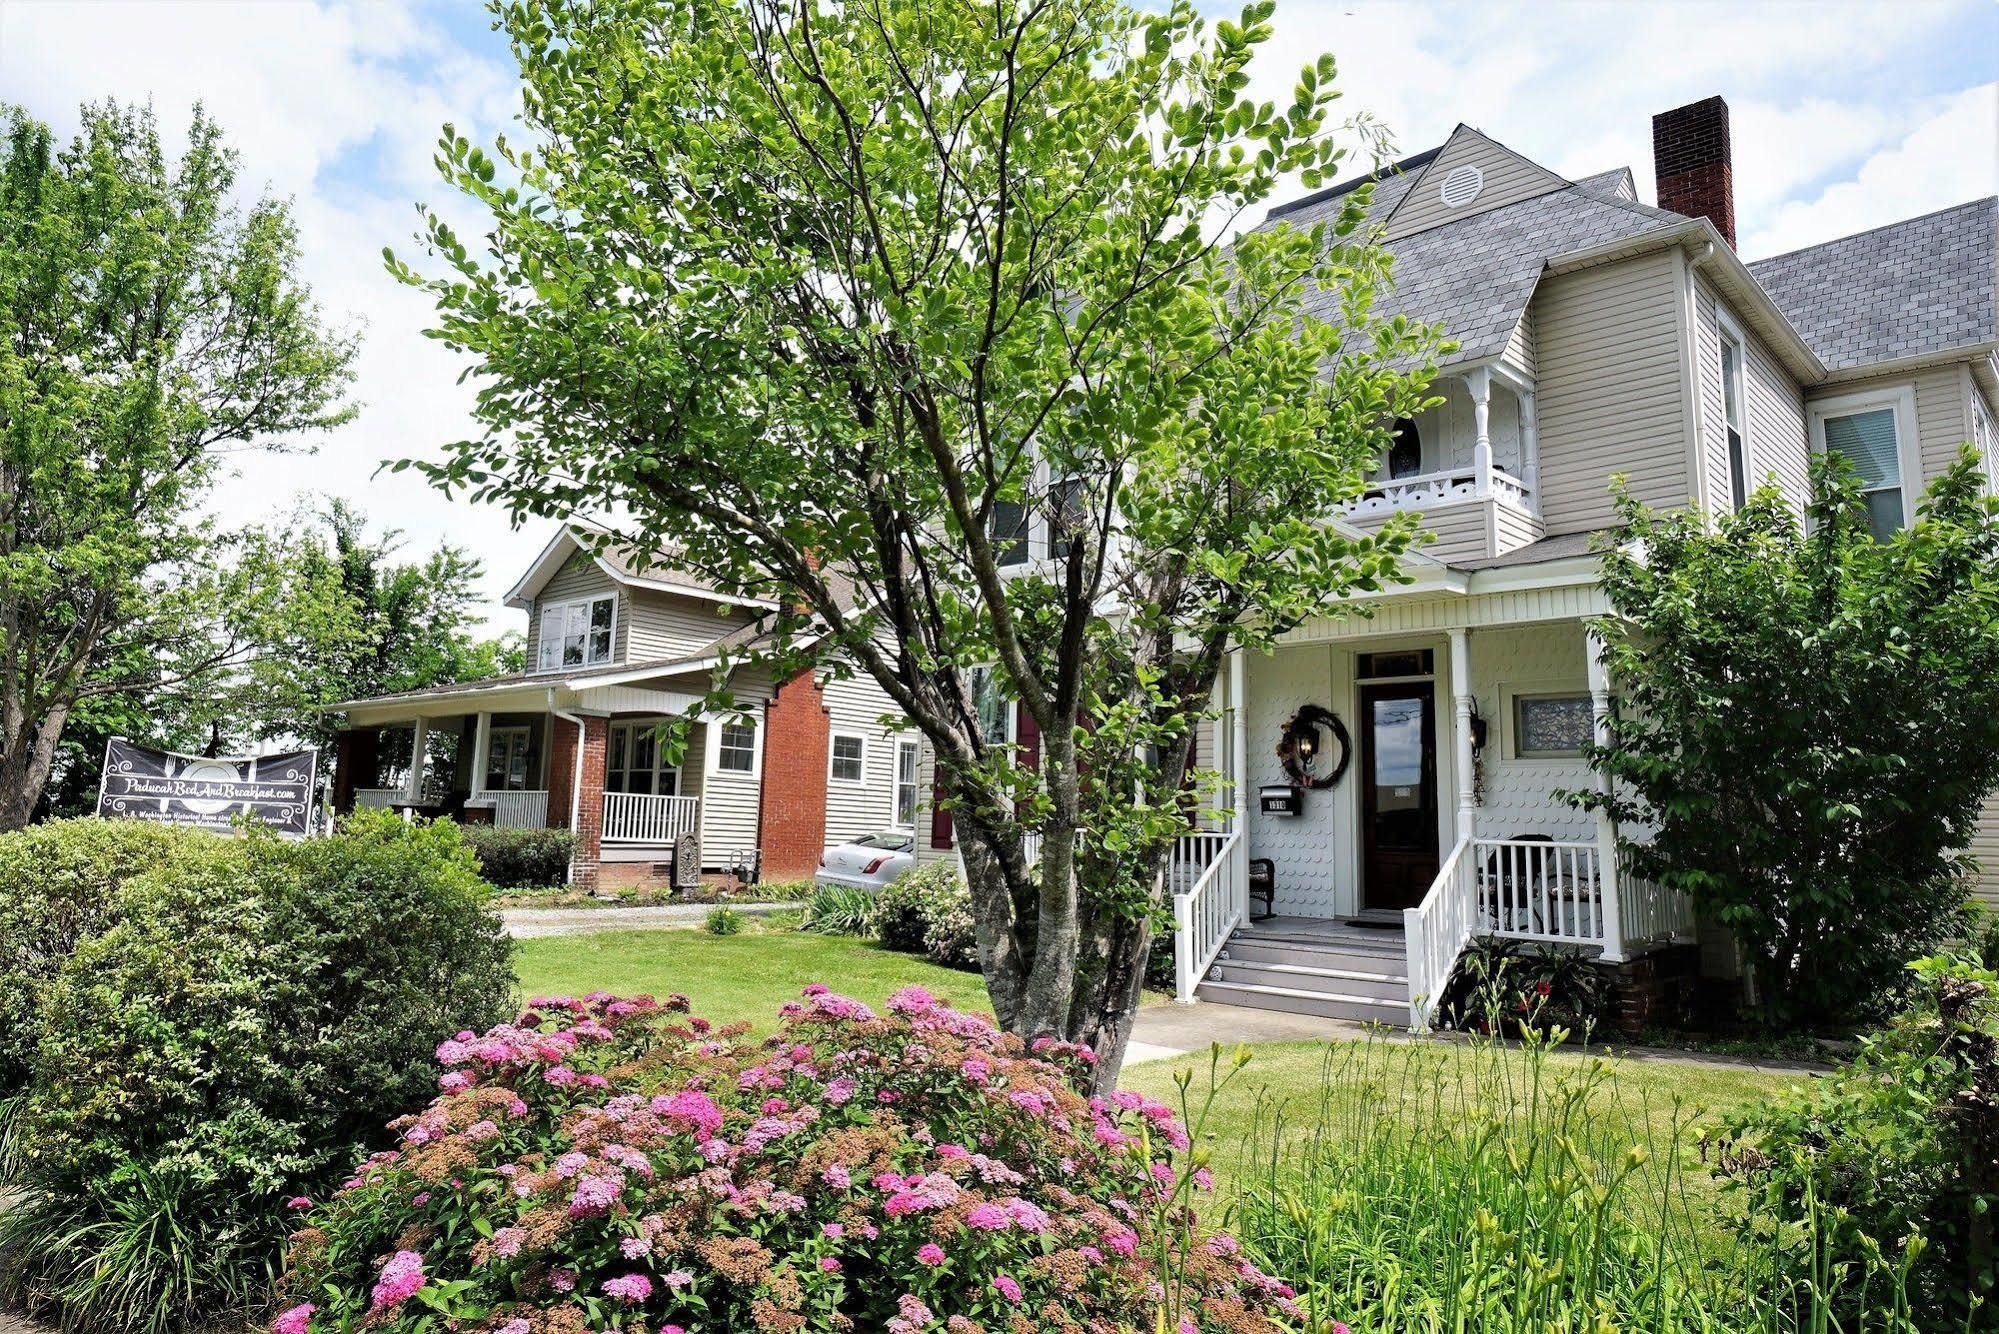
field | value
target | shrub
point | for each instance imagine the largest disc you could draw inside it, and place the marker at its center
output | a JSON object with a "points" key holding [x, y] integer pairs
{"points": [[897, 920], [521, 858], [234, 1034], [1808, 724], [950, 935], [1504, 983], [605, 1162], [1895, 1154], [928, 909], [60, 880], [839, 910], [724, 921]]}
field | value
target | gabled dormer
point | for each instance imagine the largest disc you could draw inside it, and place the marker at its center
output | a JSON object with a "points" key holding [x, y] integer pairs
{"points": [[591, 605]]}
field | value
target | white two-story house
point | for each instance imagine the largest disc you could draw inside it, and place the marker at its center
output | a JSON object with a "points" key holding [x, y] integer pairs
{"points": [[616, 646], [1597, 336]]}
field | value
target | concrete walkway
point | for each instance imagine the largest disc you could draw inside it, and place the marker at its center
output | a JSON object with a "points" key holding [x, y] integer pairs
{"points": [[1162, 1032], [527, 923]]}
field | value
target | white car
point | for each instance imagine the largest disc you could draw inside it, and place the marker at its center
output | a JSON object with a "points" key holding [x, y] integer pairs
{"points": [[868, 862]]}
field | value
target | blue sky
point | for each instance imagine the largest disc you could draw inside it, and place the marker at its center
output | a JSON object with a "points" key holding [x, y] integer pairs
{"points": [[1846, 116]]}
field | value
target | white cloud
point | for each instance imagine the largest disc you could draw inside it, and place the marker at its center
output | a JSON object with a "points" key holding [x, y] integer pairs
{"points": [[1946, 158], [338, 102]]}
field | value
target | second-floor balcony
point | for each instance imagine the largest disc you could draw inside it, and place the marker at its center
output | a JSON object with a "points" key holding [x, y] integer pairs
{"points": [[1477, 445]]}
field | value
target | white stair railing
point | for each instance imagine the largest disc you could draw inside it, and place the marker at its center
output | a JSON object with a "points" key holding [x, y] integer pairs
{"points": [[1437, 930], [641, 817], [1193, 854], [378, 797], [1204, 915]]}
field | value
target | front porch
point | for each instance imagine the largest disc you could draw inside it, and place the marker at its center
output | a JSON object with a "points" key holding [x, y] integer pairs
{"points": [[1465, 717], [582, 755]]}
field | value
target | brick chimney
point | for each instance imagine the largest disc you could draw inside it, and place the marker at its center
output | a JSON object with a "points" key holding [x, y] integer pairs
{"points": [[1693, 163]]}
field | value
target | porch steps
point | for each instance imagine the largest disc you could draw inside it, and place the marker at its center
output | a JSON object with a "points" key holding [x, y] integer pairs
{"points": [[1334, 972]]}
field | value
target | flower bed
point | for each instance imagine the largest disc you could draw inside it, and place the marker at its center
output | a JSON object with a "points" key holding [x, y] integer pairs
{"points": [[614, 1164]]}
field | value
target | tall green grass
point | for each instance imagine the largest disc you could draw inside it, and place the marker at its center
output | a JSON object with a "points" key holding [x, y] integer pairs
{"points": [[1527, 1195]]}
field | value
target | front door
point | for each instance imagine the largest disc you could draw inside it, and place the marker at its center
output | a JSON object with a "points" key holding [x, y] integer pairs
{"points": [[1398, 775]]}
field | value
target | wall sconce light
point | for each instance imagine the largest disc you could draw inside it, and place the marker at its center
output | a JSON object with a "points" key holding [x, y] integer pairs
{"points": [[1477, 729], [1305, 742]]}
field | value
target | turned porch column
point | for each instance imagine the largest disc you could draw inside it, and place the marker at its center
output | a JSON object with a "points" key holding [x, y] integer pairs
{"points": [[1461, 730], [1479, 382], [1606, 826], [1530, 449]]}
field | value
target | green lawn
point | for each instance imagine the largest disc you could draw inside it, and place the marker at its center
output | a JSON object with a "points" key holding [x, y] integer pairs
{"points": [[746, 977], [730, 978]]}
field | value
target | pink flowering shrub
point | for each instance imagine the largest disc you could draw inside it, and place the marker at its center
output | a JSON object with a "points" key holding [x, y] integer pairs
{"points": [[610, 1164]]}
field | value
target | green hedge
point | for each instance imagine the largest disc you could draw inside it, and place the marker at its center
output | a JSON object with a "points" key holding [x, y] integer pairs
{"points": [[521, 858], [57, 884], [248, 1016]]}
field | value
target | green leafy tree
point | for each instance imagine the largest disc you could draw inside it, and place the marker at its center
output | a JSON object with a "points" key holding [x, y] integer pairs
{"points": [[913, 317], [1808, 723], [148, 329]]}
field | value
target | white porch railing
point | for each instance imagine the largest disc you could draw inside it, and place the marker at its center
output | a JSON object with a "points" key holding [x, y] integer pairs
{"points": [[516, 810], [1548, 892], [1437, 930], [641, 817], [1204, 915], [1652, 913], [379, 797]]}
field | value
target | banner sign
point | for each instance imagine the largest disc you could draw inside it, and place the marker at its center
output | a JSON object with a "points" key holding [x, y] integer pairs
{"points": [[141, 783]]}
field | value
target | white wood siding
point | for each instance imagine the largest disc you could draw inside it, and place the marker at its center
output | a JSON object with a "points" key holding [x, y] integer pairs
{"points": [[729, 800], [1985, 847], [670, 625], [1773, 408], [1522, 351], [1460, 529], [1611, 390], [1509, 178], [1512, 528], [856, 705]]}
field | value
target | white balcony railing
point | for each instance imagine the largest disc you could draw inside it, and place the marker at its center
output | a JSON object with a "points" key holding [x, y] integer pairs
{"points": [[641, 817], [1430, 489]]}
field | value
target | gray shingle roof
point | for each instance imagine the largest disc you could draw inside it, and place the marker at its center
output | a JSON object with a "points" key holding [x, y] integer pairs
{"points": [[1558, 547], [1475, 276], [1909, 289]]}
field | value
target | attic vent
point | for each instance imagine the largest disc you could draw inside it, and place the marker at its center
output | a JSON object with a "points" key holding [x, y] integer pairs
{"points": [[1462, 186]]}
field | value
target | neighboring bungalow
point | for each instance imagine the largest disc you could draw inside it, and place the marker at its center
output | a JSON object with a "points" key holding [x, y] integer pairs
{"points": [[1597, 336], [616, 646]]}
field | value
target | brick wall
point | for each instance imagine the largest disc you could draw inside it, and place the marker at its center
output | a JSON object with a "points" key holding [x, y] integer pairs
{"points": [[1694, 164], [589, 831], [791, 807]]}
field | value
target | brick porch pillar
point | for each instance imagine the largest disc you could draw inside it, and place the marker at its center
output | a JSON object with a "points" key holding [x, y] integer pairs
{"points": [[587, 798], [356, 757], [791, 801]]}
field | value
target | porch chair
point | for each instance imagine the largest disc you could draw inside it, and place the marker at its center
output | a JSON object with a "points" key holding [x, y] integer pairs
{"points": [[1262, 888]]}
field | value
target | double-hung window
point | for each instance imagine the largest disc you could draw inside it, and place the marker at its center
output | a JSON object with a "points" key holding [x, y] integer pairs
{"points": [[576, 634], [1732, 417], [1009, 532], [736, 747], [847, 758], [1873, 432], [907, 755]]}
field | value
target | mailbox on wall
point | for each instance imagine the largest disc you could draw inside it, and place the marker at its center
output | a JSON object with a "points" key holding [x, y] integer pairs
{"points": [[1281, 799]]}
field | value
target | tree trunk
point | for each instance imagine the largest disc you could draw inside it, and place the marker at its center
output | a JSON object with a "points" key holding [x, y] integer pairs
{"points": [[24, 769]]}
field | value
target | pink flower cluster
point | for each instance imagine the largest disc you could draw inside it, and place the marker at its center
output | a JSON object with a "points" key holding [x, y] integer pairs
{"points": [[620, 1156]]}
